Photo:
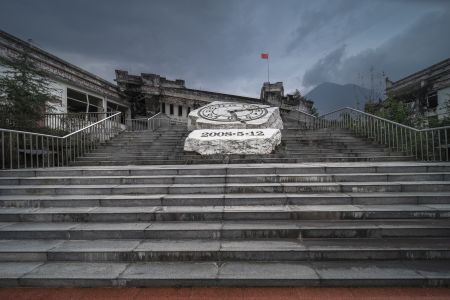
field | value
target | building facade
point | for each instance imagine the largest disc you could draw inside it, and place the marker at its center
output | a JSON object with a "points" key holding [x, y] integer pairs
{"points": [[427, 91], [77, 89], [151, 93]]}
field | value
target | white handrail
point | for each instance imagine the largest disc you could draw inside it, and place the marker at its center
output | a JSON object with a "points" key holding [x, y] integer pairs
{"points": [[55, 136], [430, 144], [21, 149], [141, 124], [103, 120]]}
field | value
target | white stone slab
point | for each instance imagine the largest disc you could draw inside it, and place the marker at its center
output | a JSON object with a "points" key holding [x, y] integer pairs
{"points": [[233, 141], [228, 115]]}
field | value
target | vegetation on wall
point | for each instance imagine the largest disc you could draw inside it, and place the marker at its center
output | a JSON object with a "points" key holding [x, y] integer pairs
{"points": [[398, 111]]}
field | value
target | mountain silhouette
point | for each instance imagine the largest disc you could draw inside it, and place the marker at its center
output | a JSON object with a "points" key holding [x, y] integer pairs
{"points": [[330, 96]]}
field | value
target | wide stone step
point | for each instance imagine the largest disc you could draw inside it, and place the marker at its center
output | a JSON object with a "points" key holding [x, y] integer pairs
{"points": [[164, 141], [312, 134], [149, 146], [232, 178], [143, 155], [331, 151], [354, 273], [232, 230], [148, 137], [281, 157], [337, 145], [154, 153], [96, 162], [228, 188], [159, 141], [224, 200], [271, 158], [155, 139], [144, 250], [285, 155], [331, 140], [218, 213], [210, 169]]}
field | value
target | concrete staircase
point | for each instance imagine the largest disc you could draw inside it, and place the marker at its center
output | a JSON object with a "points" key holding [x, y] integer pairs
{"points": [[165, 146], [327, 224]]}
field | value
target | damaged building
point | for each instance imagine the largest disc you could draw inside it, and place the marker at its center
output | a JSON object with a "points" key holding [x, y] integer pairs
{"points": [[427, 91], [273, 94], [150, 93], [134, 95]]}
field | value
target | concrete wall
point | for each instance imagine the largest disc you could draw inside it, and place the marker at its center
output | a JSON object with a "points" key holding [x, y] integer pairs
{"points": [[443, 100], [184, 116]]}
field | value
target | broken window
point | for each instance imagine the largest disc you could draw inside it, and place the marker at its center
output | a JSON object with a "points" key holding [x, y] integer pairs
{"points": [[432, 100], [180, 110], [76, 101], [171, 109], [95, 104]]}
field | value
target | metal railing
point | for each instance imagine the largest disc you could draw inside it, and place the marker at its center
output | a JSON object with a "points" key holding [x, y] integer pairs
{"points": [[70, 122], [301, 119], [430, 144], [152, 123], [20, 149]]}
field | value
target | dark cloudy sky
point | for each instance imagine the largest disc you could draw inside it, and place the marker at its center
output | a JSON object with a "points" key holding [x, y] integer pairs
{"points": [[216, 45]]}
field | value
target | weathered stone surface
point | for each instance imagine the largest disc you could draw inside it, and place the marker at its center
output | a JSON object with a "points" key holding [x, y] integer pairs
{"points": [[73, 274], [228, 115], [233, 141]]}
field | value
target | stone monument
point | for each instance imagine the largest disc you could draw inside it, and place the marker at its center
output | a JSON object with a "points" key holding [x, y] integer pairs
{"points": [[228, 115], [234, 128]]}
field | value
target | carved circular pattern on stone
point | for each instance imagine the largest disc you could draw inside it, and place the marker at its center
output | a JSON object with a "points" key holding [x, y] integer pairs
{"points": [[232, 112]]}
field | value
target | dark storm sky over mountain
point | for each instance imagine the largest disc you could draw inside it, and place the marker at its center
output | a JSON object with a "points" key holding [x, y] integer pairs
{"points": [[215, 45]]}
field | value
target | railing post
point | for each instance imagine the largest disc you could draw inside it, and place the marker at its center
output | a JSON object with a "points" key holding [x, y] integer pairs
{"points": [[42, 151], [3, 150], [446, 145], [439, 145], [432, 144]]}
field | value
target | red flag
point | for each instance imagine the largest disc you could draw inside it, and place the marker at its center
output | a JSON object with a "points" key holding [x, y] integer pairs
{"points": [[265, 55]]}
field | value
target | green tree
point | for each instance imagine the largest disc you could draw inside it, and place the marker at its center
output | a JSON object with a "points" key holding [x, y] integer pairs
{"points": [[299, 97], [444, 121], [296, 94], [25, 91], [371, 107], [314, 111], [394, 110]]}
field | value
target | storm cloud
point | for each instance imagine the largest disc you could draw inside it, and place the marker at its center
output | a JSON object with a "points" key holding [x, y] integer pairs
{"points": [[422, 44], [215, 45]]}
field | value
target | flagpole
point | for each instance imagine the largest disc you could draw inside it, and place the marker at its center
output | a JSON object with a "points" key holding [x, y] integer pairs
{"points": [[266, 56]]}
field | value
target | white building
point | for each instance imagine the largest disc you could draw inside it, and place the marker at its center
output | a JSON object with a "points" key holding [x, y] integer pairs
{"points": [[78, 90]]}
